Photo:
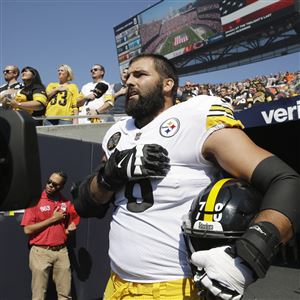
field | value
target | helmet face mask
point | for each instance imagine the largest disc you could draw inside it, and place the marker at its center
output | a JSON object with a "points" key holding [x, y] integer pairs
{"points": [[220, 214]]}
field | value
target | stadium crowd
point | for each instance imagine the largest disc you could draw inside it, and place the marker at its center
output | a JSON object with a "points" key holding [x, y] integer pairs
{"points": [[63, 98], [246, 93]]}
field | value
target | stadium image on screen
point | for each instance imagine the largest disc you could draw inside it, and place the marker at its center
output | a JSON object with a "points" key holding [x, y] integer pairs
{"points": [[175, 28]]}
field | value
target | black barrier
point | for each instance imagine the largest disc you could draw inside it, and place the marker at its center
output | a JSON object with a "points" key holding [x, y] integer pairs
{"points": [[280, 139], [88, 248], [19, 160]]}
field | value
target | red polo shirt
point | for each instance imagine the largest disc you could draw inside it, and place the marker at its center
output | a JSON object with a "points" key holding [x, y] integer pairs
{"points": [[54, 234]]}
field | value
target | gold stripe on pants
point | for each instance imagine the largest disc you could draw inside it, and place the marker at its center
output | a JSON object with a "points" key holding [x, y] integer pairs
{"points": [[119, 289]]}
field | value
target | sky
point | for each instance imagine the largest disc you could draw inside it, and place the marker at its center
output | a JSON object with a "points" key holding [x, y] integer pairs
{"points": [[44, 34]]}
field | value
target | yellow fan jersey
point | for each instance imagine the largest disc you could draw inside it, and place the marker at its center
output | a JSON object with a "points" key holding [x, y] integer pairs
{"points": [[34, 93], [62, 103]]}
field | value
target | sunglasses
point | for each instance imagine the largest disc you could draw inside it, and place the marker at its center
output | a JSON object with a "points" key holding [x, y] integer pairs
{"points": [[7, 71], [95, 70], [54, 184], [188, 85], [26, 70]]}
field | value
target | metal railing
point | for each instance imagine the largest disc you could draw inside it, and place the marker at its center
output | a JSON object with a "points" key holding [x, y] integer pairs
{"points": [[102, 117]]}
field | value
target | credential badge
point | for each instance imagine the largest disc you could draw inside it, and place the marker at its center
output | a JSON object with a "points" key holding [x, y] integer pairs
{"points": [[113, 141], [169, 127], [137, 136]]}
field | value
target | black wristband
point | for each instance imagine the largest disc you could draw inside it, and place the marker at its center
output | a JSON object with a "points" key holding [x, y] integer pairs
{"points": [[110, 183], [102, 182], [258, 245], [85, 206]]}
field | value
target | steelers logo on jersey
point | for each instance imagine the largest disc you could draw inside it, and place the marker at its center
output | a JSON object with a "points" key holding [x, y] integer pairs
{"points": [[170, 127], [113, 141]]}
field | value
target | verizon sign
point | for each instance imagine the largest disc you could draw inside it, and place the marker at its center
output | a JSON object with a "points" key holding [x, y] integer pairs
{"points": [[280, 111], [280, 115]]}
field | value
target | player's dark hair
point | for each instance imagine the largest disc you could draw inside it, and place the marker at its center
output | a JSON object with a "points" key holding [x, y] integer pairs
{"points": [[101, 67], [16, 69], [164, 67], [36, 80], [62, 174]]}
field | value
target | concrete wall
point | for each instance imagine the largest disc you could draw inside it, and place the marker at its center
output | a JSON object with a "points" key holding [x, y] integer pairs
{"points": [[88, 248], [83, 132]]}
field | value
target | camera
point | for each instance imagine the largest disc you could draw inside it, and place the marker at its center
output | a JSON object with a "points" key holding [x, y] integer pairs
{"points": [[20, 177]]}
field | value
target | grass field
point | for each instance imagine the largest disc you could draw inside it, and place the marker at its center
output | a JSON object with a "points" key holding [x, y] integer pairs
{"points": [[168, 45]]}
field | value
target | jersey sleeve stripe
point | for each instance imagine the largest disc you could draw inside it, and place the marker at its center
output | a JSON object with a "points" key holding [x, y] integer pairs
{"points": [[221, 108], [41, 98], [222, 113], [216, 114]]}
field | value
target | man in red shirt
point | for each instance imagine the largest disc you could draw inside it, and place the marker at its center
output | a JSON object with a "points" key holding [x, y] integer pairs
{"points": [[48, 225]]}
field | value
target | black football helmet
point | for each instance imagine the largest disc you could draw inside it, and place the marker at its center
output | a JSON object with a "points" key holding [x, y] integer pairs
{"points": [[221, 214]]}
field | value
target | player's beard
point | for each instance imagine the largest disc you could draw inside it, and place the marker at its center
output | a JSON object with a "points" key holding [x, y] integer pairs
{"points": [[148, 105]]}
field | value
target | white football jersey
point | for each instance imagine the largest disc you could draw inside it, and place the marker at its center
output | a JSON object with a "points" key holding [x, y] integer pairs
{"points": [[94, 104], [146, 241]]}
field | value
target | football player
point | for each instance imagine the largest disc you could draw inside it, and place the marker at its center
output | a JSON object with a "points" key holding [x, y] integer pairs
{"points": [[156, 162]]}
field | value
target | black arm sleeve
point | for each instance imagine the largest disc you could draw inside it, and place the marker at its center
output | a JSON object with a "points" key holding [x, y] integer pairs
{"points": [[280, 185], [85, 206]]}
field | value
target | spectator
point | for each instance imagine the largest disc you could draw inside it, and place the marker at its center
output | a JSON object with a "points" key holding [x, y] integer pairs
{"points": [[261, 95], [89, 103], [48, 225], [289, 77], [296, 82], [188, 91], [32, 97], [11, 74], [272, 87], [204, 90], [241, 96], [230, 93], [224, 94], [62, 96], [271, 81], [119, 92]]}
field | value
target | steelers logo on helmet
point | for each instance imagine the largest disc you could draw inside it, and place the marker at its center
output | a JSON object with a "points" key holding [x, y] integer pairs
{"points": [[220, 214]]}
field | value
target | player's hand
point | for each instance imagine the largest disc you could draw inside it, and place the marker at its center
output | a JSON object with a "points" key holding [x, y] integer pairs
{"points": [[13, 103], [6, 102], [150, 160], [91, 112], [62, 88], [224, 275], [58, 214], [90, 97], [71, 227], [123, 91]]}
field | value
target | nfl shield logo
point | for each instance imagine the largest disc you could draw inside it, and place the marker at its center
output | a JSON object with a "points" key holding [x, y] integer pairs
{"points": [[169, 127]]}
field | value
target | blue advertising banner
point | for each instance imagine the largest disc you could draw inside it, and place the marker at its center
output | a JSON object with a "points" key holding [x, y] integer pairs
{"points": [[270, 113]]}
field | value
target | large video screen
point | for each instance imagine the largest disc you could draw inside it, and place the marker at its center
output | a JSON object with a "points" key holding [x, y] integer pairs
{"points": [[238, 16], [174, 28]]}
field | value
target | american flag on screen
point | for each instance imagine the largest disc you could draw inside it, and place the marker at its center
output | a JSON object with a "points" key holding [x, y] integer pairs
{"points": [[237, 12], [179, 39]]}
